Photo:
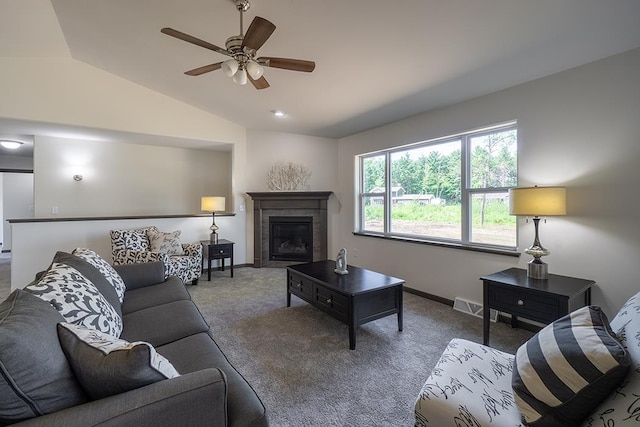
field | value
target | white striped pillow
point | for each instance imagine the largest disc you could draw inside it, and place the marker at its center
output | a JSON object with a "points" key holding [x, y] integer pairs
{"points": [[563, 372]]}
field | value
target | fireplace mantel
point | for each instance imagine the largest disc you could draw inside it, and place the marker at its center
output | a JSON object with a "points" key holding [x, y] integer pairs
{"points": [[288, 203]]}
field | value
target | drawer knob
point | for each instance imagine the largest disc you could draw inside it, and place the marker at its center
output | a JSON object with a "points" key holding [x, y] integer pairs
{"points": [[329, 301], [520, 302], [221, 252]]}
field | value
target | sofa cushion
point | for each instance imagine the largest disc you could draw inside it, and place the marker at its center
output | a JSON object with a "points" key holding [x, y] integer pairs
{"points": [[197, 352], [93, 274], [164, 323], [35, 377], [77, 299], [568, 368], [105, 268], [105, 365], [170, 290], [622, 406], [168, 243]]}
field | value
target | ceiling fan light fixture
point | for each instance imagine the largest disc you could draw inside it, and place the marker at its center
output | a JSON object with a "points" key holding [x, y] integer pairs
{"points": [[230, 67], [240, 77], [255, 70]]}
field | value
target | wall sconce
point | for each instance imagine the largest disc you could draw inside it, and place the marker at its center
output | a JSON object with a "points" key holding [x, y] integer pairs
{"points": [[77, 177]]}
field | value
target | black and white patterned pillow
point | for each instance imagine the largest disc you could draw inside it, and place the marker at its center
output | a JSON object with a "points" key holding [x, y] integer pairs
{"points": [[134, 240], [106, 365], [77, 299], [168, 243], [105, 268], [567, 369]]}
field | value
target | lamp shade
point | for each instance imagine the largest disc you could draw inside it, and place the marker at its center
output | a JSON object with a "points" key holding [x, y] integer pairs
{"points": [[538, 201], [212, 203], [229, 67]]}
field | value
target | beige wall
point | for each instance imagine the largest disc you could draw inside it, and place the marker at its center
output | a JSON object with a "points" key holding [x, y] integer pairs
{"points": [[579, 129], [125, 179], [264, 149]]}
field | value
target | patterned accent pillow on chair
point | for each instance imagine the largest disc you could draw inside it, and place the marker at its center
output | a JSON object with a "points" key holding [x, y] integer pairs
{"points": [[168, 243], [77, 299], [568, 368]]}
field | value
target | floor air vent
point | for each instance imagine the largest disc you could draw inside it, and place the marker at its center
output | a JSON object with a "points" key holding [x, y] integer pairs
{"points": [[473, 308]]}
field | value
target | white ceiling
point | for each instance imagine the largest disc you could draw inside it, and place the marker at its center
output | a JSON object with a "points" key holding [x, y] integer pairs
{"points": [[377, 61]]}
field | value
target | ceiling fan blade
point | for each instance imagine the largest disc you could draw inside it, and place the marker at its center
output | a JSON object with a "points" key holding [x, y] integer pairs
{"points": [[258, 33], [287, 64], [205, 69], [260, 83], [190, 39]]}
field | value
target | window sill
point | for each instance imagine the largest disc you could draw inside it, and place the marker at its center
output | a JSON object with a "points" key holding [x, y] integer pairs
{"points": [[496, 251]]}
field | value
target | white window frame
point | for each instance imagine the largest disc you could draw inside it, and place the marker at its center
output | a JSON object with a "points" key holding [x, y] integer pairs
{"points": [[467, 192]]}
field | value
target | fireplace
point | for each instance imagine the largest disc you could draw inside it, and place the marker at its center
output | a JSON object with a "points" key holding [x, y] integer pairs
{"points": [[291, 238], [302, 224]]}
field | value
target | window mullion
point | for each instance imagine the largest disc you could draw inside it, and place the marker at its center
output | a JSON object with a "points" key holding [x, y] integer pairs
{"points": [[387, 193], [465, 175]]}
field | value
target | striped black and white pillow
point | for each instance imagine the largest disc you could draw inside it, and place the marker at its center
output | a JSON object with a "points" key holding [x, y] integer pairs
{"points": [[563, 372]]}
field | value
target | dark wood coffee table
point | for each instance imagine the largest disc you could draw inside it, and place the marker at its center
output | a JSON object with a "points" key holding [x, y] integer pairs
{"points": [[354, 299]]}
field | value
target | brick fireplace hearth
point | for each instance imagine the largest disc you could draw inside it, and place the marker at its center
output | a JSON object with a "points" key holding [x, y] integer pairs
{"points": [[300, 204]]}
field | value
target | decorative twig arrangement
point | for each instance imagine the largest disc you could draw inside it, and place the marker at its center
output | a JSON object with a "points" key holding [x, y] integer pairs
{"points": [[288, 176]]}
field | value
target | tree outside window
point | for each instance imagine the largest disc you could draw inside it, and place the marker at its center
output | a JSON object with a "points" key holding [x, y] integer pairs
{"points": [[450, 190]]}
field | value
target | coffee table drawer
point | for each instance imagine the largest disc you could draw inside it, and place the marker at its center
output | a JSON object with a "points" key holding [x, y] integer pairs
{"points": [[331, 302], [526, 304], [301, 287]]}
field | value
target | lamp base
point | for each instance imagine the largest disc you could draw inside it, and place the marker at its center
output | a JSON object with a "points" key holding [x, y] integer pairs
{"points": [[537, 269], [213, 237]]}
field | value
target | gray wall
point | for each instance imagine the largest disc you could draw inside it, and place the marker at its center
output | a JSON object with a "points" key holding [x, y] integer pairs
{"points": [[578, 128]]}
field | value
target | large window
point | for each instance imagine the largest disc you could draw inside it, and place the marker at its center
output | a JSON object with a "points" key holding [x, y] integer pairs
{"points": [[452, 190]]}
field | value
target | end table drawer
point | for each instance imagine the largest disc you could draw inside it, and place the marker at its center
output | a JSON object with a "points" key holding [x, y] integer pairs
{"points": [[332, 302], [221, 252], [301, 287], [541, 308]]}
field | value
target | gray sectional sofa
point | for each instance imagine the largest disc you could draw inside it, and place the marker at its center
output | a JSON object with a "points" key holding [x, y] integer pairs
{"points": [[39, 388]]}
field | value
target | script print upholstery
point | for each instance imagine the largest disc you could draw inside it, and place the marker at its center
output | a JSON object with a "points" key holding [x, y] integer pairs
{"points": [[77, 299], [622, 407], [470, 386]]}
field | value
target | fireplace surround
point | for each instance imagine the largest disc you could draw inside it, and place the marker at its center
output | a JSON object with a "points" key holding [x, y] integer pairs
{"points": [[295, 205]]}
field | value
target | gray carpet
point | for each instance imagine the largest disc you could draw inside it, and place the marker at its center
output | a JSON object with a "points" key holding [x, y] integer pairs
{"points": [[298, 358]]}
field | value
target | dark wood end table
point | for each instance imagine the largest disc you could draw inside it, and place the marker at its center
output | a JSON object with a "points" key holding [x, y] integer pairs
{"points": [[541, 300], [354, 299], [221, 250]]}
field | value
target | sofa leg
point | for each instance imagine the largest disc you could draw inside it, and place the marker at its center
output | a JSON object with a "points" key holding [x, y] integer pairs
{"points": [[194, 282]]}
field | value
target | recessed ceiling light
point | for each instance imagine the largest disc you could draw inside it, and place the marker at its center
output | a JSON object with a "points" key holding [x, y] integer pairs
{"points": [[12, 145], [278, 113]]}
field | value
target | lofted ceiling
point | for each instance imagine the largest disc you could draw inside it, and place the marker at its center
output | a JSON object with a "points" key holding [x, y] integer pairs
{"points": [[377, 61]]}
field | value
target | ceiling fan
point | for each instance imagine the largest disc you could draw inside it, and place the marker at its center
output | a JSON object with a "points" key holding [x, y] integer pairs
{"points": [[243, 64]]}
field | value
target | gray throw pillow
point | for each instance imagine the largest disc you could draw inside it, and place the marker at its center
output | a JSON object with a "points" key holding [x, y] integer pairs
{"points": [[35, 377], [105, 269], [563, 372], [105, 365]]}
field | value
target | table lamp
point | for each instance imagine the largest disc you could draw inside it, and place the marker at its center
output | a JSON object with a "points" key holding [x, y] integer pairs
{"points": [[536, 202], [213, 204]]}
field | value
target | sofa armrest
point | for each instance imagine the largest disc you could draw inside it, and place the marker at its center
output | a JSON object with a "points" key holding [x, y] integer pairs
{"points": [[141, 274], [195, 399]]}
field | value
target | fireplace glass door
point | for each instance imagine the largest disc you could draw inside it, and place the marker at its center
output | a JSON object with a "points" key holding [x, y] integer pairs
{"points": [[291, 238]]}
